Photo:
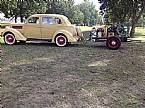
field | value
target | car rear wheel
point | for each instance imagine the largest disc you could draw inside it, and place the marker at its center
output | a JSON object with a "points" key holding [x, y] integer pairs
{"points": [[61, 41], [113, 43], [9, 39]]}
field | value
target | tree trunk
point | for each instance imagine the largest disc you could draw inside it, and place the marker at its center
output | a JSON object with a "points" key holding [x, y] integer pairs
{"points": [[136, 17], [21, 10], [15, 18], [133, 29], [21, 19]]}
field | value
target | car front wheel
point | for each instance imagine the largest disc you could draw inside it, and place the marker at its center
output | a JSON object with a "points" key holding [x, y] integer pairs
{"points": [[61, 41], [9, 39]]}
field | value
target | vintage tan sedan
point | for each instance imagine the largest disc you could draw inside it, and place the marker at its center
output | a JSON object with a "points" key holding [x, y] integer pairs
{"points": [[45, 27]]}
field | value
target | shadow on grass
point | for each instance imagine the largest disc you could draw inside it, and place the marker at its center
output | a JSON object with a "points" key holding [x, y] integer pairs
{"points": [[90, 45]]}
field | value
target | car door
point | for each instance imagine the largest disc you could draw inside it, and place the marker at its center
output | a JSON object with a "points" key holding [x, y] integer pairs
{"points": [[49, 26], [32, 28]]}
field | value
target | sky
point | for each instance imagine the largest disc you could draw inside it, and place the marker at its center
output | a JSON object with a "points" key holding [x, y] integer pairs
{"points": [[1, 15], [95, 2]]}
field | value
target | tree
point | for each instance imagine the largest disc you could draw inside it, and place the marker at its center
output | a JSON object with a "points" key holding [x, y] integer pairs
{"points": [[124, 10], [35, 7], [78, 16], [84, 12], [8, 7], [89, 11], [138, 7], [22, 8], [64, 7]]}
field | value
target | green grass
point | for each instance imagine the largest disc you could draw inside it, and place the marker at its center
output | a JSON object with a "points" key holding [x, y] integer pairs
{"points": [[3, 25], [29, 67], [1, 40], [140, 32], [85, 28]]}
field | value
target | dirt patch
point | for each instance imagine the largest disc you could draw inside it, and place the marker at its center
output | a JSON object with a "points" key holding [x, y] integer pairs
{"points": [[99, 63]]}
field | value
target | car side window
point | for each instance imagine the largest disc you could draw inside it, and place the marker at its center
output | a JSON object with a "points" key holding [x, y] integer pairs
{"points": [[50, 20], [34, 20]]}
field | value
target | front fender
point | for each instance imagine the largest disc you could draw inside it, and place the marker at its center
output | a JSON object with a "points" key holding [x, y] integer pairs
{"points": [[69, 36], [16, 33]]}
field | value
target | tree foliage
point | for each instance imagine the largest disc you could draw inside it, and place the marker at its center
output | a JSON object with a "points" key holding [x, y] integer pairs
{"points": [[21, 8], [83, 13], [124, 10], [64, 7], [90, 13]]}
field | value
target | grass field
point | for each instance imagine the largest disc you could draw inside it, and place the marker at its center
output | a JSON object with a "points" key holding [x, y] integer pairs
{"points": [[78, 76], [140, 32]]}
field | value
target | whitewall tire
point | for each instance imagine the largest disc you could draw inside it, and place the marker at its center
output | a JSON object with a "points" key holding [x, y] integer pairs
{"points": [[9, 39], [61, 41]]}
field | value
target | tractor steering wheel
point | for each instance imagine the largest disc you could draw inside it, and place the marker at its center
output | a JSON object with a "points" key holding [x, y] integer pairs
{"points": [[121, 29]]}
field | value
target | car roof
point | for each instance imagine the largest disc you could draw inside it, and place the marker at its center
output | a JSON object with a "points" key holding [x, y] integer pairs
{"points": [[51, 15], [63, 18]]}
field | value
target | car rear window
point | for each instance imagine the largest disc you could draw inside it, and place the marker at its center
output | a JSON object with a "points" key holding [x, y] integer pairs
{"points": [[50, 20]]}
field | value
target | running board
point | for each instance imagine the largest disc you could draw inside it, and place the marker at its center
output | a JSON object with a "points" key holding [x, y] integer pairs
{"points": [[33, 39]]}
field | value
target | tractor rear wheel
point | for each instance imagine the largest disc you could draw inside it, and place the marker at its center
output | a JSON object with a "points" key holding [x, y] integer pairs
{"points": [[113, 43]]}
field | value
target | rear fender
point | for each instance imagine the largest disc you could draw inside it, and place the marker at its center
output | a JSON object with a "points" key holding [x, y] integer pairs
{"points": [[16, 33]]}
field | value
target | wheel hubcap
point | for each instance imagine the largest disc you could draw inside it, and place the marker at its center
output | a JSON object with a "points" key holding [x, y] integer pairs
{"points": [[61, 40], [10, 38], [113, 42]]}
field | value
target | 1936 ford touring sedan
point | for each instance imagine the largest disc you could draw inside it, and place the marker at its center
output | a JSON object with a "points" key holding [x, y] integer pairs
{"points": [[45, 27]]}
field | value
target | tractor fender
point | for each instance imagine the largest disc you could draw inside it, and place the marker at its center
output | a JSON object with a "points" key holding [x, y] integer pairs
{"points": [[15, 32], [68, 35]]}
